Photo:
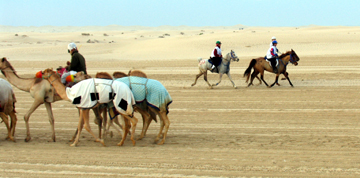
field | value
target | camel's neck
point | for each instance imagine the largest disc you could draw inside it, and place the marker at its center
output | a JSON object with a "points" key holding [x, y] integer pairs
{"points": [[21, 83], [59, 87]]}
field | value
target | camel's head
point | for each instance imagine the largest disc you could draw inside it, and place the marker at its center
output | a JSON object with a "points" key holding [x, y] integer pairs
{"points": [[81, 76], [45, 74], [4, 63]]}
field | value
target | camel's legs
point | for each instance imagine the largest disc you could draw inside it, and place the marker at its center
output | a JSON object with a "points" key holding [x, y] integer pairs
{"points": [[166, 123], [161, 128], [33, 107], [51, 120], [98, 118], [6, 122], [87, 126], [79, 129], [13, 124], [228, 74], [220, 77], [146, 118], [196, 78], [113, 126], [134, 122], [152, 117], [125, 129]]}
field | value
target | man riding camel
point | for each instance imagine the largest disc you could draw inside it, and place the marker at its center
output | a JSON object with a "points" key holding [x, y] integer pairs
{"points": [[272, 56], [77, 63], [216, 57]]}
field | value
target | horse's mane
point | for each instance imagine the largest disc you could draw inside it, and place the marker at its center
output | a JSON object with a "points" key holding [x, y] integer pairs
{"points": [[119, 74], [103, 75], [284, 54], [137, 73]]}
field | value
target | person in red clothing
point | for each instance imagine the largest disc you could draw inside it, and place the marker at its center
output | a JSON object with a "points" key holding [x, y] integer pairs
{"points": [[216, 57]]}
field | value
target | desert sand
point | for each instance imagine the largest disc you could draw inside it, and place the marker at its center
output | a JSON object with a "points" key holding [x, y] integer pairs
{"points": [[311, 130]]}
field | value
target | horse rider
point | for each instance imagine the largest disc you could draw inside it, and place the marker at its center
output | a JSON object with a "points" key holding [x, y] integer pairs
{"points": [[272, 55], [216, 57], [77, 63], [272, 39]]}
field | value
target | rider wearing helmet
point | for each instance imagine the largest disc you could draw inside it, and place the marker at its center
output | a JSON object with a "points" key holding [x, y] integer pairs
{"points": [[77, 63], [216, 57], [272, 39], [272, 56]]}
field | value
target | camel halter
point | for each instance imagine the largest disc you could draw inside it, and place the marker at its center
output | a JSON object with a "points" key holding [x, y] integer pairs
{"points": [[11, 70]]}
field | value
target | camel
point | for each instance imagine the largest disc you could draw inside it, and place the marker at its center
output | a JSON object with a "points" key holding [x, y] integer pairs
{"points": [[99, 98], [224, 68], [7, 107], [146, 109], [147, 115], [39, 89], [151, 91]]}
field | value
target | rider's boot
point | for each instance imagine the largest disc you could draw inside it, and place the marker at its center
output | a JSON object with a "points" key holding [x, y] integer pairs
{"points": [[275, 69]]}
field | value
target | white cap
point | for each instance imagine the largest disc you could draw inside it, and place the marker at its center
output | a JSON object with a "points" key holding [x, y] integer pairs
{"points": [[71, 46], [273, 38]]}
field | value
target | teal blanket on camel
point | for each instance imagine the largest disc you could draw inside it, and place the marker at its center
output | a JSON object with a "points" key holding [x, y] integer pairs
{"points": [[149, 90]]}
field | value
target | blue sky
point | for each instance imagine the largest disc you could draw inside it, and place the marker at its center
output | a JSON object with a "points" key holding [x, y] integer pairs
{"points": [[154, 13]]}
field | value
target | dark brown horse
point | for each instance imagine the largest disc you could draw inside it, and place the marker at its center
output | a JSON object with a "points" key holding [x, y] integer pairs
{"points": [[260, 65]]}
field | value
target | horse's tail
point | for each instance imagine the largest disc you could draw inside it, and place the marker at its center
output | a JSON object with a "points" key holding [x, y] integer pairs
{"points": [[248, 70]]}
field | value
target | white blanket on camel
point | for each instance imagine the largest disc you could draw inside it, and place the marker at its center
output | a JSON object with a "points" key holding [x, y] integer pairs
{"points": [[89, 92]]}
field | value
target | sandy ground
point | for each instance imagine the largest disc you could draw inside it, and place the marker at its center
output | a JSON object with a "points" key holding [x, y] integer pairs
{"points": [[311, 130]]}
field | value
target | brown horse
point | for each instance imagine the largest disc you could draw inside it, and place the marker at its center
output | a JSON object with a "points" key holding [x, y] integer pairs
{"points": [[260, 65]]}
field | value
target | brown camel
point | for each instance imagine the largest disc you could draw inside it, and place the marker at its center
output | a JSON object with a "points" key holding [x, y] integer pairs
{"points": [[7, 107], [151, 109], [50, 75], [140, 108]]}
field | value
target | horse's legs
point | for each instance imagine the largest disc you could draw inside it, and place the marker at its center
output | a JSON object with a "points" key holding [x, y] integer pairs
{"points": [[276, 80], [5, 119], [196, 78], [33, 107], [262, 78], [220, 76], [88, 128], [287, 77], [228, 74], [253, 75], [51, 120], [205, 78]]}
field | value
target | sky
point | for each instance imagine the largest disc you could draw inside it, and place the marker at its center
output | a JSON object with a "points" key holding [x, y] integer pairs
{"points": [[153, 13]]}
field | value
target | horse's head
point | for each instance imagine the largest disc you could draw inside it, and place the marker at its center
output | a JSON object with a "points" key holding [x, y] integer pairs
{"points": [[294, 57], [233, 56]]}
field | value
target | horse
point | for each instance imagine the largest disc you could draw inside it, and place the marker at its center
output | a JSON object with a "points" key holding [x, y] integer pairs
{"points": [[223, 68], [260, 65]]}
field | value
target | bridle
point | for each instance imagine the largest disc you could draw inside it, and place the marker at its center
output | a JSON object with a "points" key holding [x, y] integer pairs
{"points": [[48, 77]]}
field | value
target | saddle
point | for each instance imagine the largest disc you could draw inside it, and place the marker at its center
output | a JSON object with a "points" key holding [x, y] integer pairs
{"points": [[277, 61]]}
